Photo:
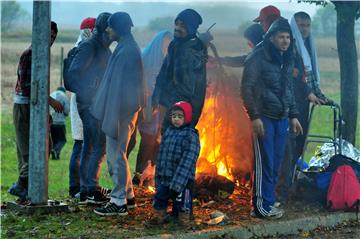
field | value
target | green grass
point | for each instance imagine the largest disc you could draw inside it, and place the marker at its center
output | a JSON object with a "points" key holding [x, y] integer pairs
{"points": [[84, 223], [58, 169]]}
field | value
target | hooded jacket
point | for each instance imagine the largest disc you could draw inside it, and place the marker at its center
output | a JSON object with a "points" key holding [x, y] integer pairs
{"points": [[121, 93], [89, 64], [267, 78], [179, 151], [183, 76]]}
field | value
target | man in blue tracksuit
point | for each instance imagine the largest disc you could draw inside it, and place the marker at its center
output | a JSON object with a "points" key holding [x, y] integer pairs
{"points": [[268, 97]]}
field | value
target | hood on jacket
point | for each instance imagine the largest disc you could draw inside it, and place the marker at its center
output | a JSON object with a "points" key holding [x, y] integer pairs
{"points": [[254, 33], [187, 110], [191, 19], [101, 22], [282, 25], [121, 23]]}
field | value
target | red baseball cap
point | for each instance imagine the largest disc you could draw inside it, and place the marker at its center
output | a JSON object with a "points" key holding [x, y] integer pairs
{"points": [[267, 11], [88, 22]]}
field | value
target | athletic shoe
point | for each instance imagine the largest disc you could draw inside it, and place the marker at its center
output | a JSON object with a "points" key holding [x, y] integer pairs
{"points": [[131, 203], [277, 204], [275, 213], [83, 198], [96, 197], [111, 209], [105, 191], [18, 191]]}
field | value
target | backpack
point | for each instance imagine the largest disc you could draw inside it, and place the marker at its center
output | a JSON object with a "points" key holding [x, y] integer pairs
{"points": [[344, 190], [69, 85]]}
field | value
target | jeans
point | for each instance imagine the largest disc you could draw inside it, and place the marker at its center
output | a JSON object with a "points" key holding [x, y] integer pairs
{"points": [[183, 203], [74, 167], [116, 152], [92, 152]]}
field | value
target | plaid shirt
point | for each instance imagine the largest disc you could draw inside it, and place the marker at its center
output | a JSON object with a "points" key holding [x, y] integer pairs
{"points": [[176, 163], [24, 74]]}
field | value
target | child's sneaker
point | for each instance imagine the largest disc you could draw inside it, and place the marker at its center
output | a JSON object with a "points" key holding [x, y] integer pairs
{"points": [[111, 209], [157, 218], [96, 197], [131, 203]]}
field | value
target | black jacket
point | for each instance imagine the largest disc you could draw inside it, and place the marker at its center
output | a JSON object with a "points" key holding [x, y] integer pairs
{"points": [[267, 87], [87, 69], [183, 76]]}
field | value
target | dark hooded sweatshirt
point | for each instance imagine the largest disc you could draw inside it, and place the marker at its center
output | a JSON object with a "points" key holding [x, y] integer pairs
{"points": [[267, 79]]}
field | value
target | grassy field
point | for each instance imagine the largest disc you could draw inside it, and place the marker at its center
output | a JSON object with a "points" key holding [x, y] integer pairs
{"points": [[78, 224]]}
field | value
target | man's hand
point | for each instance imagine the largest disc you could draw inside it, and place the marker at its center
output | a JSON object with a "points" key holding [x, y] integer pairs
{"points": [[296, 126], [315, 100], [258, 127], [57, 106]]}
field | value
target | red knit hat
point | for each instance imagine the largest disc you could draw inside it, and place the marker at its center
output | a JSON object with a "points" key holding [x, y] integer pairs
{"points": [[266, 12], [88, 22], [186, 108]]}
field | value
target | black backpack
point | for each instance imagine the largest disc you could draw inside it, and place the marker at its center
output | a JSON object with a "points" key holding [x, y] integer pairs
{"points": [[69, 85]]}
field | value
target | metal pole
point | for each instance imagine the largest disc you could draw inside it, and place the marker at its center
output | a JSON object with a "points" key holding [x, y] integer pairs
{"points": [[39, 107], [61, 65]]}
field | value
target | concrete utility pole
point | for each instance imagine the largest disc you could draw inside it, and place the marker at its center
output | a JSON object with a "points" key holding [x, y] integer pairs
{"points": [[39, 108]]}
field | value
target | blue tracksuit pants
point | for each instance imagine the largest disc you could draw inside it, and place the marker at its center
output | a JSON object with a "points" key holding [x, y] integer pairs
{"points": [[269, 152]]}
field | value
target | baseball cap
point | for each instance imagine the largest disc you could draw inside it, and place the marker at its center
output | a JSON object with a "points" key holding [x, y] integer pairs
{"points": [[267, 11]]}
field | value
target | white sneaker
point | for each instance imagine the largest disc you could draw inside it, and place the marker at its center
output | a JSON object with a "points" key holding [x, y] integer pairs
{"points": [[275, 213], [277, 204]]}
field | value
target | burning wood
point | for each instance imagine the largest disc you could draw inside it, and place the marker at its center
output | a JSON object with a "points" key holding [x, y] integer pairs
{"points": [[148, 176], [208, 187]]}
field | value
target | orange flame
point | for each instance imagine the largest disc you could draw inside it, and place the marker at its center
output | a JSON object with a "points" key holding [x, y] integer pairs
{"points": [[151, 189], [225, 130]]}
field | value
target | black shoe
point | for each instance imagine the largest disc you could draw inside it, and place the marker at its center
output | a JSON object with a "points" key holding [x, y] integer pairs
{"points": [[136, 179], [105, 191], [131, 203], [111, 209], [18, 191], [53, 156], [73, 191], [83, 198], [96, 197]]}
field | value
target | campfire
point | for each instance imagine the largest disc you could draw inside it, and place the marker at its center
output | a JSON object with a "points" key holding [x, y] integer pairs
{"points": [[225, 161]]}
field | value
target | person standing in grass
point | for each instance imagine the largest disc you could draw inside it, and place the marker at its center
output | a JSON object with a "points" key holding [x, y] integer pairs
{"points": [[57, 127], [176, 166], [87, 70], [307, 70], [21, 117], [86, 31], [117, 104]]}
